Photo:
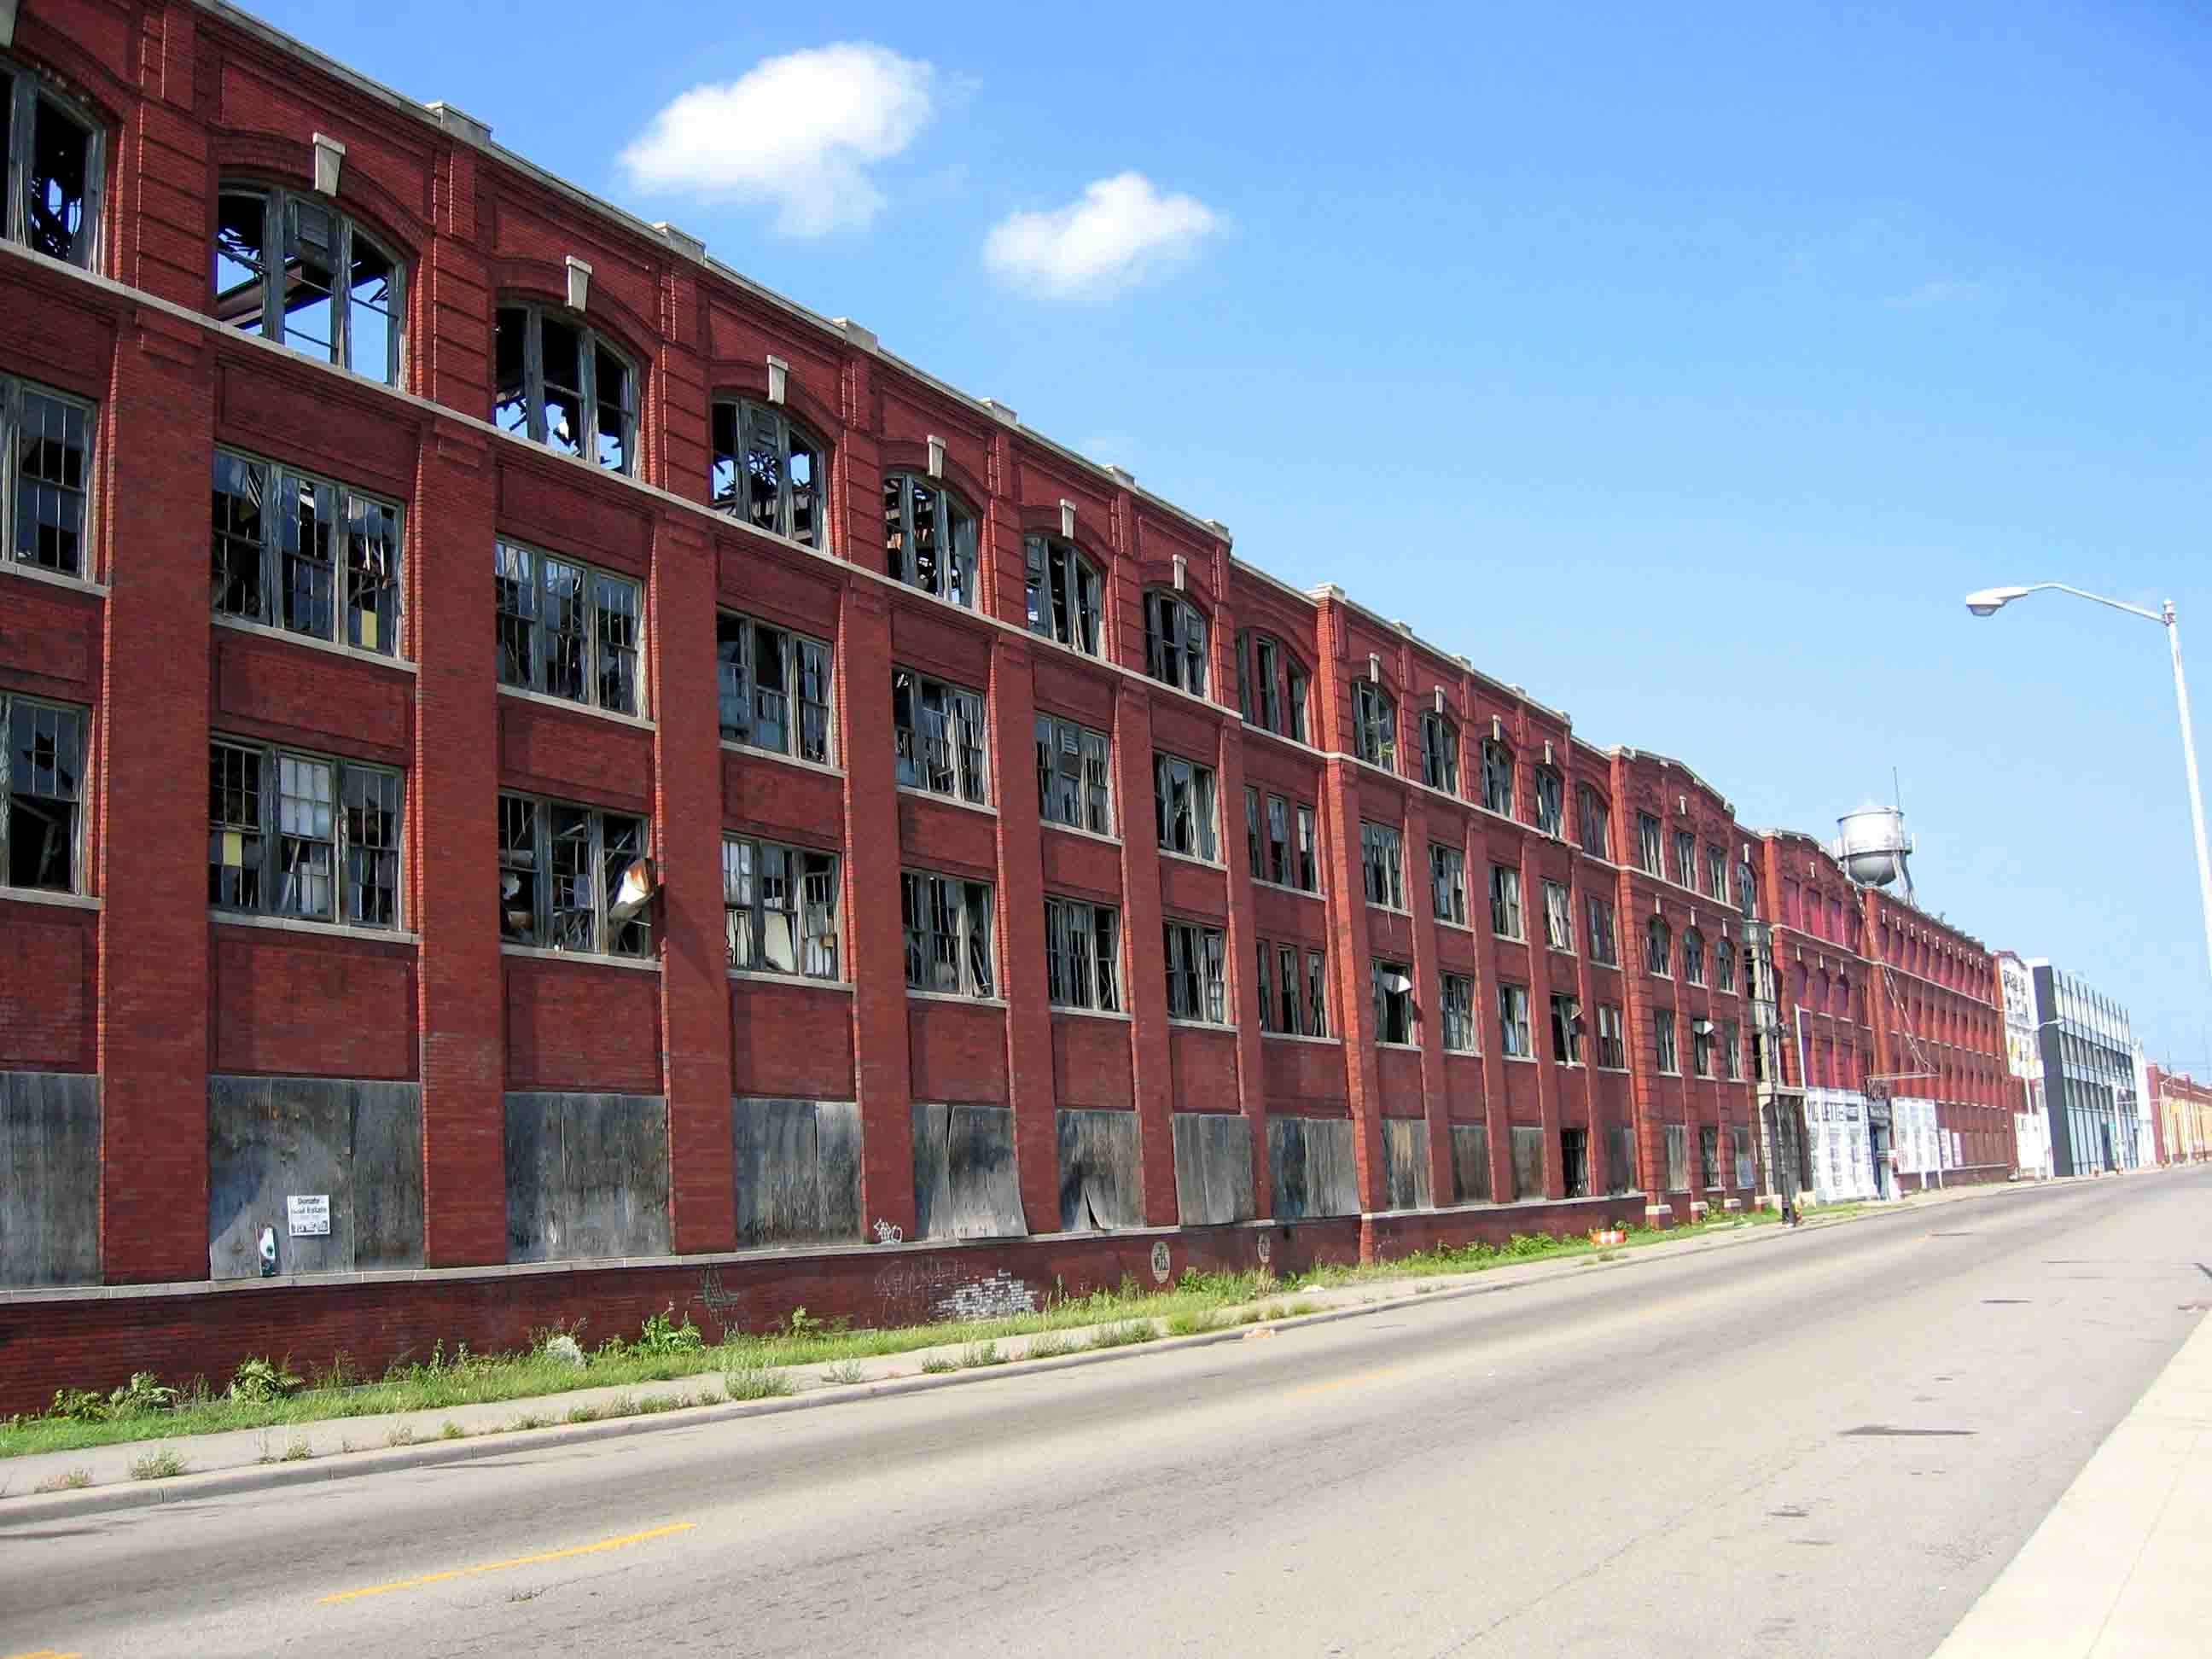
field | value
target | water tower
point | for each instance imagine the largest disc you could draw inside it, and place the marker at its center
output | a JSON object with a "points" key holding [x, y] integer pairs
{"points": [[1872, 846]]}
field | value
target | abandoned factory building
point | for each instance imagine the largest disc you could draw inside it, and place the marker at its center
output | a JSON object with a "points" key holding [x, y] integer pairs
{"points": [[698, 810]]}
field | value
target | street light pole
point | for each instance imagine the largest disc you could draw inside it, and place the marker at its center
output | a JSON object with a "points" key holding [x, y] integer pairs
{"points": [[1990, 600]]}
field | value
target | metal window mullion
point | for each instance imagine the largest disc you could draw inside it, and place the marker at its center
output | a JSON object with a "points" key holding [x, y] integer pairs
{"points": [[533, 376], [271, 829], [587, 374], [541, 854], [274, 209], [272, 541], [596, 845], [11, 417], [341, 290]]}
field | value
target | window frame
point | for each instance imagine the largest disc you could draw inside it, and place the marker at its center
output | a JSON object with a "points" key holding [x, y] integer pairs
{"points": [[1176, 655], [1382, 862], [974, 948], [606, 940], [1548, 801], [1075, 619], [1394, 1007], [1658, 947], [591, 340], [1612, 1053], [280, 204], [786, 431], [1497, 762], [1092, 796], [1694, 955], [1197, 971], [957, 565], [1605, 941], [734, 678], [78, 770], [1375, 725], [1461, 1030], [799, 908], [1686, 859], [966, 736], [1448, 883], [1651, 845], [1507, 919], [270, 834], [281, 486], [1439, 751], [1514, 1041], [15, 442], [19, 129], [1592, 823], [592, 669], [1558, 916], [1204, 803], [1098, 927], [1273, 685], [1566, 1028], [1666, 1048]]}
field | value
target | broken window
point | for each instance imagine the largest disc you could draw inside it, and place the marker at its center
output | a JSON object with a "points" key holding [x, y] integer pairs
{"points": [[1082, 955], [1073, 776], [294, 270], [929, 538], [567, 878], [1662, 1040], [1497, 777], [1064, 595], [1448, 883], [1196, 989], [45, 466], [1593, 823], [42, 795], [1694, 955], [1723, 965], [1558, 916], [1686, 859], [1567, 1031], [1701, 1047], [774, 688], [305, 835], [1716, 873], [303, 554], [1462, 1035], [1175, 642], [1708, 1154], [557, 383], [1551, 801], [779, 908], [1731, 1051], [1612, 1041], [773, 474], [1506, 901], [1316, 994], [52, 163], [1439, 752], [568, 630], [1279, 841], [1647, 844], [1308, 854], [1290, 1004], [1271, 687], [948, 935], [1391, 984], [1574, 1162], [1605, 940], [1658, 946], [1380, 863], [1513, 1022], [1252, 833], [1183, 806], [939, 732], [1374, 725]]}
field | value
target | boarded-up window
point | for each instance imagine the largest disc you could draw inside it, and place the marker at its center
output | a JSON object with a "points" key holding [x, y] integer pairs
{"points": [[1528, 1161], [1470, 1144], [1745, 1175], [1678, 1157], [1709, 1156], [1620, 1161]]}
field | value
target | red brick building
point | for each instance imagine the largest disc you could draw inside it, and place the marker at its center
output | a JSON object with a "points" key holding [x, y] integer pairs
{"points": [[1939, 1039], [846, 818]]}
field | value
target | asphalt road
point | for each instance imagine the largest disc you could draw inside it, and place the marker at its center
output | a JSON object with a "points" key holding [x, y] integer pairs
{"points": [[1826, 1442]]}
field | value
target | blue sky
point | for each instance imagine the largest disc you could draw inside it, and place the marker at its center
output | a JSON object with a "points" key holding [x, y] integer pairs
{"points": [[1684, 365]]}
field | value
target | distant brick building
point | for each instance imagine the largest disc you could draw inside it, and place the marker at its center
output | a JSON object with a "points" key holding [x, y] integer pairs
{"points": [[687, 794], [2182, 1107]]}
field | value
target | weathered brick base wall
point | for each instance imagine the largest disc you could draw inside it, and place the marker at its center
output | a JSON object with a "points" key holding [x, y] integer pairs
{"points": [[97, 1339]]}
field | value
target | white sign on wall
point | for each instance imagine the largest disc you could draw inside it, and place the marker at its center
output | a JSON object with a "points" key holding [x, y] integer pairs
{"points": [[309, 1214]]}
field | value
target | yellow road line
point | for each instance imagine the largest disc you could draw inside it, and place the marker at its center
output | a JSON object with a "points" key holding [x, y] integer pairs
{"points": [[519, 1561], [46, 1653], [1347, 1382]]}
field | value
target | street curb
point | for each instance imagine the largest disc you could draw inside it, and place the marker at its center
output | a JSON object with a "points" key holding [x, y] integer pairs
{"points": [[36, 1507]]}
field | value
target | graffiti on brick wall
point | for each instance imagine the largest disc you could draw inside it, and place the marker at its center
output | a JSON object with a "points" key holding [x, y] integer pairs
{"points": [[887, 1233], [721, 1303], [945, 1292]]}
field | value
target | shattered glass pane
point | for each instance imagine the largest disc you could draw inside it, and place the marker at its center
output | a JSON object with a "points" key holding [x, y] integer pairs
{"points": [[241, 296], [734, 660], [307, 282], [565, 630], [510, 403], [616, 602], [55, 181], [575, 916], [234, 827], [960, 575], [45, 748], [779, 912], [49, 483], [613, 433], [562, 374], [722, 471], [308, 568], [813, 701], [764, 470], [235, 537], [818, 915], [515, 578], [372, 574], [806, 471], [898, 552], [372, 846], [306, 825], [372, 290], [624, 844], [771, 688]]}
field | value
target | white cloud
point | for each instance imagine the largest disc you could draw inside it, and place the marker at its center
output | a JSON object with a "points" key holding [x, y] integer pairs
{"points": [[799, 131], [1119, 232]]}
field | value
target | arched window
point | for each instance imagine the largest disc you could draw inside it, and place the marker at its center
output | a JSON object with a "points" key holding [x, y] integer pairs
{"points": [[292, 269], [1374, 724], [1551, 801], [1175, 642], [1658, 946], [1439, 752], [1840, 1001], [1593, 822], [1064, 593], [50, 164], [1271, 685], [1497, 777], [1723, 965], [768, 471], [561, 384], [929, 538], [1694, 955]]}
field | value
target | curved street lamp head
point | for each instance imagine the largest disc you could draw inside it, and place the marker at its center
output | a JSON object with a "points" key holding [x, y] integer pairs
{"points": [[1990, 600]]}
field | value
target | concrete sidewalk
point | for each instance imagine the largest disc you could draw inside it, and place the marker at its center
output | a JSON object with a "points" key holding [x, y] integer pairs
{"points": [[2119, 1567], [46, 1485]]}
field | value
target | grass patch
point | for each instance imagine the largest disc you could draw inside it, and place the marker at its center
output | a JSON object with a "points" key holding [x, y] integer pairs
{"points": [[755, 1382], [67, 1480], [1051, 1346], [298, 1450], [448, 1430], [978, 1354], [936, 1363], [1123, 1334], [844, 1371], [1197, 1324], [158, 1465]]}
